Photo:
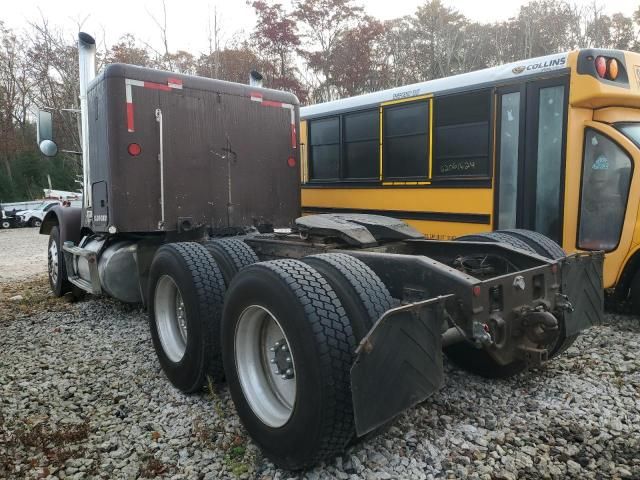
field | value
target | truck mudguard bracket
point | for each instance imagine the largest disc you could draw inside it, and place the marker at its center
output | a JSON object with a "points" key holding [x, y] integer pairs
{"points": [[398, 364], [582, 284]]}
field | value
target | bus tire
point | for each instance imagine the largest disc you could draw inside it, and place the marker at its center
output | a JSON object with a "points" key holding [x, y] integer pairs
{"points": [[479, 362], [634, 292], [186, 292], [542, 244], [547, 248], [497, 237], [362, 294], [231, 255], [466, 356], [287, 306], [56, 269]]}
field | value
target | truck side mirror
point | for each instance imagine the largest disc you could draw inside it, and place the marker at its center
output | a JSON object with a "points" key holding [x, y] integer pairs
{"points": [[45, 134]]}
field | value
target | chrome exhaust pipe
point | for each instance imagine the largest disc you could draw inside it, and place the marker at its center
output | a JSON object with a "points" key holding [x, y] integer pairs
{"points": [[87, 68], [255, 79]]}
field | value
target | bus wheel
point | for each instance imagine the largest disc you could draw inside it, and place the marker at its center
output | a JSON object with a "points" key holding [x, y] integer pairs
{"points": [[287, 349], [231, 255], [635, 294], [185, 309], [56, 269], [466, 356], [546, 247], [542, 244], [362, 294], [479, 362], [497, 237]]}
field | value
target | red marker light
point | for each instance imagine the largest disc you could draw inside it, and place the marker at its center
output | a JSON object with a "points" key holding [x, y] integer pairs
{"points": [[291, 162], [134, 149], [612, 69], [476, 291], [601, 66]]}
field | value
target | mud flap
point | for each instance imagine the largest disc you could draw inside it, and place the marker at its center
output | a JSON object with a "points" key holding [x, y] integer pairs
{"points": [[583, 286], [398, 364]]}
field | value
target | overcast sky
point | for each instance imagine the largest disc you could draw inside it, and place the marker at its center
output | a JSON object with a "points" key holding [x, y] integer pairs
{"points": [[188, 19]]}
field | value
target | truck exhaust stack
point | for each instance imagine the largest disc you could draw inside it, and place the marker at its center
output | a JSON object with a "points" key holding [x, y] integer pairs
{"points": [[87, 67]]}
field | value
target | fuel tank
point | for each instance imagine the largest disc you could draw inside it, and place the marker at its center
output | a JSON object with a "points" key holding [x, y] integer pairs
{"points": [[117, 268]]}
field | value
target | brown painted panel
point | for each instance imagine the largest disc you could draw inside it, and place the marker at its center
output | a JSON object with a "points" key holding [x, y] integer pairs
{"points": [[226, 155]]}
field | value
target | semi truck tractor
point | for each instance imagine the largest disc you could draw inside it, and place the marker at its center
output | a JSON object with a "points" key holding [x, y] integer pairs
{"points": [[324, 327]]}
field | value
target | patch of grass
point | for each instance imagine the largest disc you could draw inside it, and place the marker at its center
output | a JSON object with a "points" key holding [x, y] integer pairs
{"points": [[237, 457], [154, 467], [36, 297], [46, 445]]}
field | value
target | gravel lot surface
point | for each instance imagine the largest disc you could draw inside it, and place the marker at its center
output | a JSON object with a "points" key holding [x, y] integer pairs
{"points": [[23, 253], [82, 396]]}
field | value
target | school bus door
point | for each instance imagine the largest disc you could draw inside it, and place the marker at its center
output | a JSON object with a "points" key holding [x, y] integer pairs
{"points": [[531, 139]]}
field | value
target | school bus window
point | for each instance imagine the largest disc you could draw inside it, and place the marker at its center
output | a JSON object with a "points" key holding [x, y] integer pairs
{"points": [[361, 158], [406, 141], [457, 117], [606, 177], [630, 130], [325, 148]]}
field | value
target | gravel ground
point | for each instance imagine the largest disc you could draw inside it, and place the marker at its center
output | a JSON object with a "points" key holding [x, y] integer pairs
{"points": [[23, 253], [82, 396]]}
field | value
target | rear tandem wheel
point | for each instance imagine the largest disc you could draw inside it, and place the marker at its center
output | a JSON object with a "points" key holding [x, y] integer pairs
{"points": [[288, 347]]}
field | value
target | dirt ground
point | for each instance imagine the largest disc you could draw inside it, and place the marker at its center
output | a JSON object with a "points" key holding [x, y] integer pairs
{"points": [[23, 254]]}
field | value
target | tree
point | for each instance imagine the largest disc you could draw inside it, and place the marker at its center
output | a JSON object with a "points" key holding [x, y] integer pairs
{"points": [[355, 64], [322, 22], [622, 34], [127, 51], [275, 39], [438, 33]]}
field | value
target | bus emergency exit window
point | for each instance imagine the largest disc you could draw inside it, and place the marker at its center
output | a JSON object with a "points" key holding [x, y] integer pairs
{"points": [[461, 127]]}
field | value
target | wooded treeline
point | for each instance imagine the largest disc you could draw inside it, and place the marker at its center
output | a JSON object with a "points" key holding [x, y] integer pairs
{"points": [[319, 49]]}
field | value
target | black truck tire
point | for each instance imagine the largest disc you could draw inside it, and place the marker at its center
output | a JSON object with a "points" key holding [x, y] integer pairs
{"points": [[289, 302], [186, 294], [362, 294], [56, 269], [231, 255]]}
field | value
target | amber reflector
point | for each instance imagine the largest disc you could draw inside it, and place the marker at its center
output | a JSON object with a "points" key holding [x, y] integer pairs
{"points": [[612, 69]]}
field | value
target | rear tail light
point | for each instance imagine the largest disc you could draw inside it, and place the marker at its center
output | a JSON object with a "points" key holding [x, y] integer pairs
{"points": [[134, 149], [607, 68]]}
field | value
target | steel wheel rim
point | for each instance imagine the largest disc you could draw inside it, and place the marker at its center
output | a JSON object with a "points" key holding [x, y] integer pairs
{"points": [[171, 318], [53, 262], [265, 369]]}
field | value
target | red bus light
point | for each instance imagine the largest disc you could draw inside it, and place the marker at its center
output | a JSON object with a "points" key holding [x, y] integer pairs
{"points": [[601, 66]]}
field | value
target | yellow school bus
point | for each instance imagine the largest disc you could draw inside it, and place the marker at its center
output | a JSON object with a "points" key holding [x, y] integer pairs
{"points": [[550, 144]]}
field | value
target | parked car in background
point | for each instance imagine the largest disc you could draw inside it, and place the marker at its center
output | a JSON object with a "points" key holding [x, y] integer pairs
{"points": [[7, 219], [33, 218]]}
